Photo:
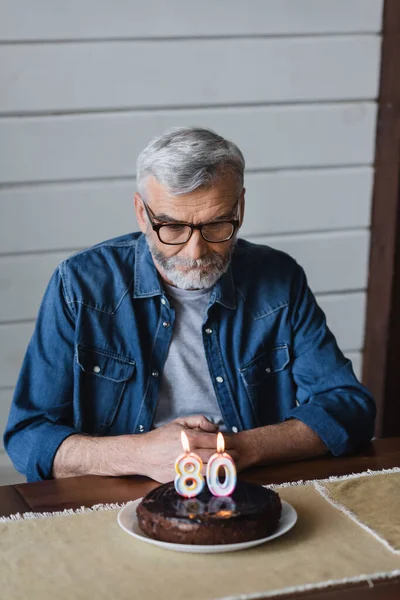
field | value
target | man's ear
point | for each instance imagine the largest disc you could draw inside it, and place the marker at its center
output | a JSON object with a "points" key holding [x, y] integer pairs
{"points": [[242, 204], [140, 213]]}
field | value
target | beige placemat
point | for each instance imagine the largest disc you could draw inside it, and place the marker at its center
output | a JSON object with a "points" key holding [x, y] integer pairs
{"points": [[87, 555], [373, 501]]}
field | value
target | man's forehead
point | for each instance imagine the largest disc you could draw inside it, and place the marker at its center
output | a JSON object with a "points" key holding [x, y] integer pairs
{"points": [[217, 198]]}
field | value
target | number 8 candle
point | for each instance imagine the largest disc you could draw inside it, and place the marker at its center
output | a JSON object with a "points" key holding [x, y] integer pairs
{"points": [[189, 481], [218, 460]]}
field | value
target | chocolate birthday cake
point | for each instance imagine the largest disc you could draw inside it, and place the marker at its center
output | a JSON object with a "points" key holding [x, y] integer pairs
{"points": [[251, 512]]}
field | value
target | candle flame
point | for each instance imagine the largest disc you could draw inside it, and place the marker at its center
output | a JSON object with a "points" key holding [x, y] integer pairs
{"points": [[185, 442], [220, 442]]}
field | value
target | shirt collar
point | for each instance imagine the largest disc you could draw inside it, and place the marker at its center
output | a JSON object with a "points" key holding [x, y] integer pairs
{"points": [[147, 280], [224, 290]]}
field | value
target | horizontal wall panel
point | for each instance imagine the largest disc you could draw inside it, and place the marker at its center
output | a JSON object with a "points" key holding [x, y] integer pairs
{"points": [[85, 19], [5, 403], [322, 255], [14, 342], [356, 358], [23, 281], [80, 76], [295, 201], [107, 145], [76, 215], [345, 315]]}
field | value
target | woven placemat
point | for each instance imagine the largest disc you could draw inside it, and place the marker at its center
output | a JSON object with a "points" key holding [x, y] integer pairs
{"points": [[371, 501], [86, 554]]}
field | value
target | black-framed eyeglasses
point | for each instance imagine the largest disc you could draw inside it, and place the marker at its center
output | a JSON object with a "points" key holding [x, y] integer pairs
{"points": [[175, 234]]}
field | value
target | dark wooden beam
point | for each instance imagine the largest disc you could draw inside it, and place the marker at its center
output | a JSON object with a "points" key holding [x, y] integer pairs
{"points": [[381, 367]]}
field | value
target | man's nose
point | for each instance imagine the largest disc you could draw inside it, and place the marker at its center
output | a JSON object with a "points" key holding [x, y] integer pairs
{"points": [[196, 247]]}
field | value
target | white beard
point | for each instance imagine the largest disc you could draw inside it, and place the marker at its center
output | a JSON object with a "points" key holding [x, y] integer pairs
{"points": [[200, 274]]}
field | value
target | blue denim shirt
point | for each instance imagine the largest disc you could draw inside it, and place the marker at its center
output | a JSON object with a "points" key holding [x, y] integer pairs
{"points": [[96, 357]]}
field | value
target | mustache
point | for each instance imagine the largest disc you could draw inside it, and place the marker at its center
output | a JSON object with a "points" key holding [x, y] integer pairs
{"points": [[210, 260]]}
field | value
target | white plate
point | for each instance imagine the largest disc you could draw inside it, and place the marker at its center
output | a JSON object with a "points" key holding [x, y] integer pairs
{"points": [[127, 519]]}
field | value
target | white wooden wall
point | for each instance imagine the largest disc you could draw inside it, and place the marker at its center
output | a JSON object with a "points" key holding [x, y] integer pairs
{"points": [[86, 83]]}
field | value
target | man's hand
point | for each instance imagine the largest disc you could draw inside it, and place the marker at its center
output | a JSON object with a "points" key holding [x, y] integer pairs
{"points": [[287, 441], [160, 448], [243, 447]]}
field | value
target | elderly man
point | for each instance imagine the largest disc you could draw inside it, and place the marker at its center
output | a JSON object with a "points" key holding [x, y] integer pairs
{"points": [[182, 327]]}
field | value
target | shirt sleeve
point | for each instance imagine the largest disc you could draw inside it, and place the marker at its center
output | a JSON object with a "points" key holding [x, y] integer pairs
{"points": [[331, 400], [41, 415]]}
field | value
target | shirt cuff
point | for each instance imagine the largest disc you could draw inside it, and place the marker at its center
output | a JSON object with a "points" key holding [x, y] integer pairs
{"points": [[40, 464], [331, 432]]}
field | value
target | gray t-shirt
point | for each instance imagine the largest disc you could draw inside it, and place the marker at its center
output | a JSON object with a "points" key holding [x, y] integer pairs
{"points": [[186, 387]]}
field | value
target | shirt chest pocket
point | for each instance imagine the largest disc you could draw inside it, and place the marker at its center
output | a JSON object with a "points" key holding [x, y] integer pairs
{"points": [[263, 380], [102, 379]]}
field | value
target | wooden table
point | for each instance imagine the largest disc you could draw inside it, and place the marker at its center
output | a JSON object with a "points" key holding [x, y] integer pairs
{"points": [[49, 496]]}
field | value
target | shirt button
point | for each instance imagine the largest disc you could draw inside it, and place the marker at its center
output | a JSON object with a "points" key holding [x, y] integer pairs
{"points": [[235, 429], [154, 373], [96, 369], [165, 324], [220, 379], [141, 428], [268, 370], [209, 331], [163, 301]]}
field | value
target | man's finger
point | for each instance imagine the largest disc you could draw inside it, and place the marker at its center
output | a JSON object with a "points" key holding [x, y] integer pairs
{"points": [[201, 422], [205, 455], [201, 439], [230, 440]]}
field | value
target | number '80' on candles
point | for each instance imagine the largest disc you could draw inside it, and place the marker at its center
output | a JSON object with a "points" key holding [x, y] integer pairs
{"points": [[189, 481]]}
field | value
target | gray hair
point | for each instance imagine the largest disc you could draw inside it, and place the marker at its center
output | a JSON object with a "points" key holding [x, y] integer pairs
{"points": [[186, 158]]}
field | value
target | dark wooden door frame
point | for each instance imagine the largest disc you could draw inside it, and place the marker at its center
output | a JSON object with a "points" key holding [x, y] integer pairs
{"points": [[381, 365]]}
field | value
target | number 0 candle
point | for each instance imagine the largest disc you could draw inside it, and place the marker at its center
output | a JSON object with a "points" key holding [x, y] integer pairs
{"points": [[221, 460], [189, 481]]}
